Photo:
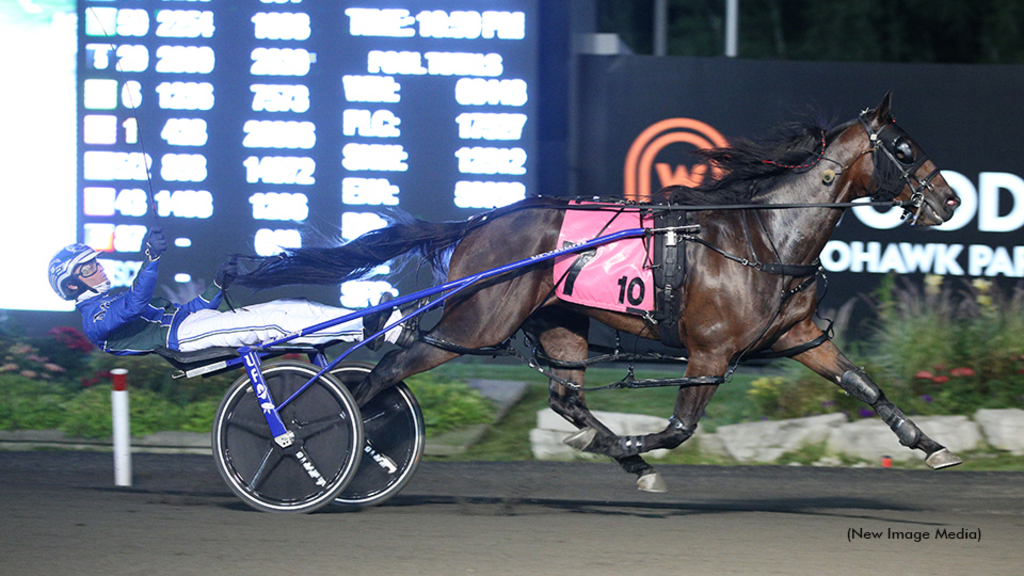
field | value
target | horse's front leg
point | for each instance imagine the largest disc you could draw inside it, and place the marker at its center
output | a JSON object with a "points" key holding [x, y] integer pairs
{"points": [[828, 361], [563, 335]]}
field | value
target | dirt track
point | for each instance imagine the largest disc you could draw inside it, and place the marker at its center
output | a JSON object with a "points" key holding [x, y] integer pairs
{"points": [[62, 515]]}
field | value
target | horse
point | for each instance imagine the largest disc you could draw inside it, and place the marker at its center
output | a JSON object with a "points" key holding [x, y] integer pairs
{"points": [[733, 303]]}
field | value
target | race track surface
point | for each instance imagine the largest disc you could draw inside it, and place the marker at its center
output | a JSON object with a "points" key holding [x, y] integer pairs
{"points": [[61, 514]]}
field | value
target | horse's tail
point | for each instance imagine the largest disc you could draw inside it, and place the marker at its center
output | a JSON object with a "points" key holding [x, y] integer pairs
{"points": [[337, 264]]}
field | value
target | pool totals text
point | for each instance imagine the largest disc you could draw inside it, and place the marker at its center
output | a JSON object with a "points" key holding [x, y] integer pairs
{"points": [[238, 122]]}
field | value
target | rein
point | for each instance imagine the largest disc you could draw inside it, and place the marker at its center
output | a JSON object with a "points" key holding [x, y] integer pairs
{"points": [[704, 207]]}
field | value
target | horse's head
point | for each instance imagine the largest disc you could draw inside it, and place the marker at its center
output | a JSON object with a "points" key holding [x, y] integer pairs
{"points": [[902, 171]]}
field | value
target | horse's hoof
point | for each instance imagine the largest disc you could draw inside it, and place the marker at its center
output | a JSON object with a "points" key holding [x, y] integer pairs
{"points": [[651, 482], [942, 459], [582, 439]]}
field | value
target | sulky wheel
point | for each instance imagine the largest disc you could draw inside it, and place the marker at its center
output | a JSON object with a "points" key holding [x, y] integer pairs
{"points": [[393, 428], [316, 468]]}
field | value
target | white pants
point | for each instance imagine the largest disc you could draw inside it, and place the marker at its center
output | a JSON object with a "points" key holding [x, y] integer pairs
{"points": [[260, 323]]}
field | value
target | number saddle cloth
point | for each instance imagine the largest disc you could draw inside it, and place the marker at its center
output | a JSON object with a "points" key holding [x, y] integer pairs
{"points": [[638, 276]]}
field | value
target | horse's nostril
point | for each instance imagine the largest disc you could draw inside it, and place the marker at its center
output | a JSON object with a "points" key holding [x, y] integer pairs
{"points": [[953, 201]]}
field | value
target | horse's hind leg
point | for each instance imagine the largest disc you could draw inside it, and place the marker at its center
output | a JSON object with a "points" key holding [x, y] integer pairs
{"points": [[828, 361], [396, 365], [563, 335], [690, 405], [482, 318]]}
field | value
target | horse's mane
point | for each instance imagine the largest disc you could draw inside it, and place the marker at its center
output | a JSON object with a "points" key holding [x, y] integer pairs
{"points": [[749, 168]]}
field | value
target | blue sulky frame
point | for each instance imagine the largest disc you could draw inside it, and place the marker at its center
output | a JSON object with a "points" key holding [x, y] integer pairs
{"points": [[250, 356]]}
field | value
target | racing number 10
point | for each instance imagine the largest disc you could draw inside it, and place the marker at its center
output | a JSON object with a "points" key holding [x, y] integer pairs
{"points": [[631, 289]]}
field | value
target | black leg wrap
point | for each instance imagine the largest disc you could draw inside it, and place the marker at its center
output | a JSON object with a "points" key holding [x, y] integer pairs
{"points": [[858, 385], [634, 465], [906, 431], [678, 432], [631, 445]]}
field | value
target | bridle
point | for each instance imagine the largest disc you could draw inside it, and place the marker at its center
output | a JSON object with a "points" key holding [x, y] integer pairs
{"points": [[896, 166]]}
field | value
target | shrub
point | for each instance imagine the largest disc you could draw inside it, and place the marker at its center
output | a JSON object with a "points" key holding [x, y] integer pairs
{"points": [[799, 393], [87, 414], [29, 404], [153, 373], [945, 351], [448, 404], [67, 347]]}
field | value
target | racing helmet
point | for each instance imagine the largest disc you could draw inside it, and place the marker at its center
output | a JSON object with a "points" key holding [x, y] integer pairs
{"points": [[62, 269]]}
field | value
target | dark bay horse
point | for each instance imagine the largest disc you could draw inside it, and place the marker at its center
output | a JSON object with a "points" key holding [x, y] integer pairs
{"points": [[730, 308]]}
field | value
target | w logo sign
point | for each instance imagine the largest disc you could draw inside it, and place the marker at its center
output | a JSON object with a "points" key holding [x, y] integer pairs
{"points": [[661, 151]]}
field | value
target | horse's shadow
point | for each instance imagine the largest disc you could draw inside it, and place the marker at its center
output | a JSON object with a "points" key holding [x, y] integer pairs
{"points": [[859, 508]]}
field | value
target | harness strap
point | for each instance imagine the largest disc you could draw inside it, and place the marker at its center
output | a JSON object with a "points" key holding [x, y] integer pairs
{"points": [[503, 349], [790, 352], [542, 356], [796, 270]]}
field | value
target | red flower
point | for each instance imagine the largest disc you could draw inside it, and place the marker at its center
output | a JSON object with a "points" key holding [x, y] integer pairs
{"points": [[71, 338], [940, 379], [961, 372], [924, 374], [96, 379]]}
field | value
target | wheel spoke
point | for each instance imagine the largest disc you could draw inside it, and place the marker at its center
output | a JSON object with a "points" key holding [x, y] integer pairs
{"points": [[270, 461], [372, 417], [258, 429], [312, 470], [307, 430], [382, 462]]}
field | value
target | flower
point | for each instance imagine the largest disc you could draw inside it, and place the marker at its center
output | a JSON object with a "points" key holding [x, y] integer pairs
{"points": [[96, 379], [932, 283], [961, 372], [11, 366], [20, 349], [924, 374], [29, 373], [71, 338], [981, 285], [866, 413], [53, 367], [940, 379], [926, 398]]}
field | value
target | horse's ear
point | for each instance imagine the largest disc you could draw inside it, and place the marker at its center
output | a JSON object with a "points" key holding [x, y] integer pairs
{"points": [[884, 111]]}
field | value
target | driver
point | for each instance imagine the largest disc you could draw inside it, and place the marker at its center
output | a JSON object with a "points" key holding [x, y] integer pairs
{"points": [[133, 321]]}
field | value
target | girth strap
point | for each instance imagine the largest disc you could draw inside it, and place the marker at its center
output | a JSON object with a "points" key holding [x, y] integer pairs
{"points": [[669, 271]]}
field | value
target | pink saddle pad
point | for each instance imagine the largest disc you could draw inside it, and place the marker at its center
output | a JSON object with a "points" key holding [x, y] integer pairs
{"points": [[612, 276]]}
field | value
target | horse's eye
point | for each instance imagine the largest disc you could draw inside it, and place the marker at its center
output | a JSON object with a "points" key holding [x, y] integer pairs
{"points": [[903, 151]]}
